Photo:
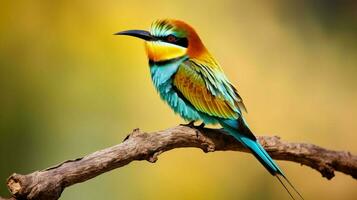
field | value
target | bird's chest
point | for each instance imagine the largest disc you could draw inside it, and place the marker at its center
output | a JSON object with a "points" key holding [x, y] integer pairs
{"points": [[162, 77]]}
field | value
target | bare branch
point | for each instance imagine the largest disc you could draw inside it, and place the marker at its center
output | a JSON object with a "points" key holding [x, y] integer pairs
{"points": [[49, 183]]}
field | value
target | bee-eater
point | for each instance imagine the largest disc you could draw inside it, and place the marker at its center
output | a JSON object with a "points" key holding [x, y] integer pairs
{"points": [[193, 84]]}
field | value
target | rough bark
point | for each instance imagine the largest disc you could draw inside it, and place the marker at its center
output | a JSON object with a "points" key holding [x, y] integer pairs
{"points": [[48, 184]]}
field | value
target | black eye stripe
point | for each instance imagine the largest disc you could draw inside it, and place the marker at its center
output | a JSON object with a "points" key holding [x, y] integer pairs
{"points": [[182, 42]]}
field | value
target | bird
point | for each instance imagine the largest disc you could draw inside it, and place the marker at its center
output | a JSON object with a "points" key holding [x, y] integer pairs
{"points": [[190, 80]]}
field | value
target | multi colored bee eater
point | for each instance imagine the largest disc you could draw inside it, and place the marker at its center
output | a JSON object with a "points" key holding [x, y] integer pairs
{"points": [[193, 84]]}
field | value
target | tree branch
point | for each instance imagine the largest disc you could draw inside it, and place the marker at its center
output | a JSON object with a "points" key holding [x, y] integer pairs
{"points": [[49, 183]]}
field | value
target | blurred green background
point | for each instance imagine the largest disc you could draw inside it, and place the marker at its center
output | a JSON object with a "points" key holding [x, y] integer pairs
{"points": [[69, 87]]}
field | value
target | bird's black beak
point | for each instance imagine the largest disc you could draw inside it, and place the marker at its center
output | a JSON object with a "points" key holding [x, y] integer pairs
{"points": [[145, 35]]}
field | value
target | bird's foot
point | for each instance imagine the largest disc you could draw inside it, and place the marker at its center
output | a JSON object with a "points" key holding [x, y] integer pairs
{"points": [[191, 124], [202, 125]]}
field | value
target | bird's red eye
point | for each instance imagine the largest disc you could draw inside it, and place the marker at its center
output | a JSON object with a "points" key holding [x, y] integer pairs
{"points": [[171, 38]]}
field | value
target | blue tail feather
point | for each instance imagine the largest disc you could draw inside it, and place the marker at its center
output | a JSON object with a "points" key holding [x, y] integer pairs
{"points": [[254, 146], [261, 154], [240, 131]]}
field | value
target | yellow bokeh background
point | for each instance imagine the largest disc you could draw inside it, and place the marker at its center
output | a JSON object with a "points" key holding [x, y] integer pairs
{"points": [[68, 87]]}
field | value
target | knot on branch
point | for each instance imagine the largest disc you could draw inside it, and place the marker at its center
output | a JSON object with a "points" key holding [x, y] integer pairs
{"points": [[135, 133], [207, 144], [326, 170], [154, 156]]}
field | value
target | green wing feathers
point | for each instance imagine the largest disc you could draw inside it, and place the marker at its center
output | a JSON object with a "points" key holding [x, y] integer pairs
{"points": [[207, 89]]}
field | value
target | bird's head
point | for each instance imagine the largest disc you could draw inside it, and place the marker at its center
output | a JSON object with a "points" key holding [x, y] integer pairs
{"points": [[169, 39]]}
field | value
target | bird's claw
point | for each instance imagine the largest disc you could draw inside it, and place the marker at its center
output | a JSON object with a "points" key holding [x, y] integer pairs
{"points": [[201, 126], [191, 124]]}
